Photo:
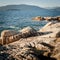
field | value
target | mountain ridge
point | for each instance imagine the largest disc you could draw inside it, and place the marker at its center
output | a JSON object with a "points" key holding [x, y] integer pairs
{"points": [[21, 6], [31, 9]]}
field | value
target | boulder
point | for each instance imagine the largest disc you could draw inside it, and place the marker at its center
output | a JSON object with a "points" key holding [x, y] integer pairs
{"points": [[57, 18], [48, 18], [52, 18], [6, 34], [28, 32], [50, 27], [38, 18], [14, 38], [9, 39]]}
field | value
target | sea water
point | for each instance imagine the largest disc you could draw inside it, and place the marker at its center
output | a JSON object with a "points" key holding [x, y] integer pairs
{"points": [[16, 20]]}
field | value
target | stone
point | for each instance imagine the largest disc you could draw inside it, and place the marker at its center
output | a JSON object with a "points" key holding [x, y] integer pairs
{"points": [[53, 28], [47, 18], [28, 46], [47, 27], [6, 34], [33, 48], [38, 18], [14, 38], [28, 32]]}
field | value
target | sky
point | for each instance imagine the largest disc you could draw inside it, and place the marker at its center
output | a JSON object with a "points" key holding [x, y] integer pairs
{"points": [[40, 3]]}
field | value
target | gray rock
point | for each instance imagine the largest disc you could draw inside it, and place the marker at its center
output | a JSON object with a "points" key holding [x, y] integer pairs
{"points": [[53, 28], [6, 34], [50, 27], [28, 32]]}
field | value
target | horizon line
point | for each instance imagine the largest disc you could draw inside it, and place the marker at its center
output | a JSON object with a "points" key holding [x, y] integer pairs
{"points": [[30, 5]]}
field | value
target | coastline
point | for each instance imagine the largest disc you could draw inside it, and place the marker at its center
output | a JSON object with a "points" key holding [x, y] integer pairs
{"points": [[31, 44]]}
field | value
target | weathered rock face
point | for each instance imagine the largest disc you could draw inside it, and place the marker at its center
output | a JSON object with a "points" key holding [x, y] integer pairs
{"points": [[33, 49], [38, 18], [52, 18], [53, 34], [9, 36], [45, 47], [53, 28], [57, 18], [28, 32], [48, 18], [29, 49], [6, 34], [14, 38]]}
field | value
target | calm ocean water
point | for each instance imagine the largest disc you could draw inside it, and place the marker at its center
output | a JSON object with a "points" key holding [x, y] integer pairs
{"points": [[16, 20]]}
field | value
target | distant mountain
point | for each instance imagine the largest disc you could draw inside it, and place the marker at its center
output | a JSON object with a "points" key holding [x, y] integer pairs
{"points": [[55, 10], [21, 7], [30, 9]]}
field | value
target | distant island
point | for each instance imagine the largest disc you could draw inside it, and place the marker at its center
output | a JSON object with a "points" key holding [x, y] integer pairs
{"points": [[32, 9]]}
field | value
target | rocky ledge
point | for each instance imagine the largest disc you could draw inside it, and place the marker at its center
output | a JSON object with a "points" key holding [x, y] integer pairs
{"points": [[29, 44], [39, 18]]}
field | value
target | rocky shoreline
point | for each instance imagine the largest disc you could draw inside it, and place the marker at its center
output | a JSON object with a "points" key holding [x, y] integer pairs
{"points": [[48, 18], [29, 44]]}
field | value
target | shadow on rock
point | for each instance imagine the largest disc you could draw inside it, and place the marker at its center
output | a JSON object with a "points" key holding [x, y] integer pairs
{"points": [[6, 56], [48, 45], [45, 58], [3, 48], [40, 53]]}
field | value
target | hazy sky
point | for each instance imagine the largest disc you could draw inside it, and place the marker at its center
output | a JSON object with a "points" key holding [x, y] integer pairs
{"points": [[41, 3]]}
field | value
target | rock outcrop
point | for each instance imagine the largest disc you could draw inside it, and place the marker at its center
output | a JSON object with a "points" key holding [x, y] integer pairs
{"points": [[57, 18], [53, 28], [28, 32], [6, 34], [31, 49], [27, 44], [38, 18], [48, 18]]}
